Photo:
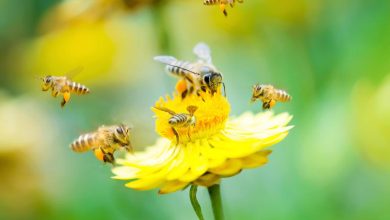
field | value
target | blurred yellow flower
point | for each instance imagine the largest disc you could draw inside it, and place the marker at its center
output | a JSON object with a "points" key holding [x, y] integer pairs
{"points": [[71, 12], [371, 118], [215, 147], [86, 45]]}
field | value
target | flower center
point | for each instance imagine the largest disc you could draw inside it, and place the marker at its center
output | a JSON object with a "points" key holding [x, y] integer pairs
{"points": [[210, 116]]}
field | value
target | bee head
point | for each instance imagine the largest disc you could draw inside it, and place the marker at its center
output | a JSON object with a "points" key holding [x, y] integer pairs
{"points": [[213, 80], [47, 79], [257, 92], [47, 82], [121, 135]]}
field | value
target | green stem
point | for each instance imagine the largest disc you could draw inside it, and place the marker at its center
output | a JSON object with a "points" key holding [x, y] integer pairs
{"points": [[216, 201], [195, 203]]}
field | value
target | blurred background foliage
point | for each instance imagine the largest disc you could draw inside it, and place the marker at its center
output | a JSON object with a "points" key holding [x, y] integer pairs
{"points": [[332, 56]]}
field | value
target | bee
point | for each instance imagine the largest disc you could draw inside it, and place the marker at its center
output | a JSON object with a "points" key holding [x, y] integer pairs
{"points": [[104, 142], [198, 76], [269, 95], [222, 4], [180, 120], [63, 85]]}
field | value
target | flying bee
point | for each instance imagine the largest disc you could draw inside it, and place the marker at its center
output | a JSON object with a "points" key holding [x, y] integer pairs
{"points": [[269, 95], [104, 142], [222, 4], [201, 75], [180, 120], [63, 85]]}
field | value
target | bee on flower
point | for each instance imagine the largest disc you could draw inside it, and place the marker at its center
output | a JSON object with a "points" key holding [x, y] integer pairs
{"points": [[195, 77], [220, 146], [181, 120]]}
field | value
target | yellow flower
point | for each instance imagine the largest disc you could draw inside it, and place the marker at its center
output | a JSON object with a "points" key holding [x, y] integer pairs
{"points": [[217, 146]]}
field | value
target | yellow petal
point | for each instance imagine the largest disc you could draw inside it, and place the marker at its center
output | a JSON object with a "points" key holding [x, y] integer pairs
{"points": [[162, 170], [145, 183], [214, 156], [229, 168], [181, 167], [198, 163], [255, 160], [207, 180], [172, 186], [125, 172]]}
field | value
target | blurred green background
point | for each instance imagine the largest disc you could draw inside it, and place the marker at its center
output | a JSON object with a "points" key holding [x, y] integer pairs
{"points": [[332, 56]]}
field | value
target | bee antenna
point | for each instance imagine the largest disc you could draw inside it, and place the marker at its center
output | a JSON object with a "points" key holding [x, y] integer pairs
{"points": [[224, 90], [130, 126], [225, 12], [122, 124]]}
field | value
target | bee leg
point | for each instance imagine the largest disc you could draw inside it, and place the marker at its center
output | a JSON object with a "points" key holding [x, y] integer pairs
{"points": [[108, 157], [191, 90], [189, 135], [54, 93], [63, 102], [223, 8], [129, 148], [184, 94], [66, 98], [200, 95], [266, 105], [177, 136]]}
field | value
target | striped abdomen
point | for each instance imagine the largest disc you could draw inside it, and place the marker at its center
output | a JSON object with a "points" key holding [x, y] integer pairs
{"points": [[77, 88], [178, 119], [211, 2], [84, 143], [281, 96], [179, 68]]}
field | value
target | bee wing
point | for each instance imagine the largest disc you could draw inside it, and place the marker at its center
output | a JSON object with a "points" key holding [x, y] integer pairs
{"points": [[203, 52], [74, 72], [169, 60]]}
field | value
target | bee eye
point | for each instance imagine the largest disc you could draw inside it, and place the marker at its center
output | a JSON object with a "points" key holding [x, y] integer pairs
{"points": [[47, 80], [119, 130], [207, 79]]}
